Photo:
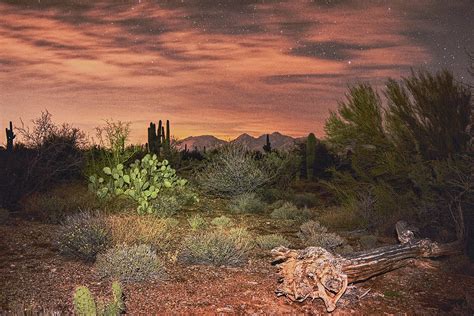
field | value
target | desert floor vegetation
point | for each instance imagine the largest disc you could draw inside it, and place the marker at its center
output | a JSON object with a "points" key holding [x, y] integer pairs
{"points": [[154, 229]]}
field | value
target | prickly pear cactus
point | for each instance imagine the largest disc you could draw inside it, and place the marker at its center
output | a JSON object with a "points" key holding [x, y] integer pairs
{"points": [[142, 181], [84, 302], [116, 306]]}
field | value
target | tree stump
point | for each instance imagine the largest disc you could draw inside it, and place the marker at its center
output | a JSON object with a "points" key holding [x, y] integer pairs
{"points": [[314, 272]]}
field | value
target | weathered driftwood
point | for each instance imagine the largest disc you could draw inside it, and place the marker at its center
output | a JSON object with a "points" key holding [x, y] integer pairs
{"points": [[316, 273]]}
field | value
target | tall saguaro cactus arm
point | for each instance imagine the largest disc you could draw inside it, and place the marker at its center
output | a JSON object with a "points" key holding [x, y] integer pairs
{"points": [[268, 146], [310, 155], [10, 137]]}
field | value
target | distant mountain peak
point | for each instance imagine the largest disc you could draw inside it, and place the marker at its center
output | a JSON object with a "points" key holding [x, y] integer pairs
{"points": [[277, 140]]}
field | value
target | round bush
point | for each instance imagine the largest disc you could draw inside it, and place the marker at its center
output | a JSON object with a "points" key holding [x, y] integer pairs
{"points": [[289, 211], [216, 248], [268, 242], [246, 203], [83, 236], [233, 171], [222, 222], [129, 263], [312, 233]]}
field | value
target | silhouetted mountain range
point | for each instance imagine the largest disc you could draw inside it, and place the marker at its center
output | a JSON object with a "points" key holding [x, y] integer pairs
{"points": [[277, 140]]}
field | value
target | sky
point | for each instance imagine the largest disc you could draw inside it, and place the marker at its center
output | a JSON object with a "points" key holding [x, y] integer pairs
{"points": [[220, 67]]}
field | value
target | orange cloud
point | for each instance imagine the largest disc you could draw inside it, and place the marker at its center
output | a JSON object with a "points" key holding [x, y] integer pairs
{"points": [[242, 66]]}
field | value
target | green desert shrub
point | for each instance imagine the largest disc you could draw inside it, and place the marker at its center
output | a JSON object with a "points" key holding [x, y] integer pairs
{"points": [[271, 241], [216, 248], [166, 205], [312, 233], [133, 263], [306, 199], [197, 222], [233, 171], [289, 211], [172, 201], [396, 142], [281, 166], [111, 147], [246, 203], [83, 236], [271, 195], [222, 221]]}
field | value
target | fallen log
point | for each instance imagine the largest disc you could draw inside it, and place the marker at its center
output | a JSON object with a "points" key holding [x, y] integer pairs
{"points": [[314, 272]]}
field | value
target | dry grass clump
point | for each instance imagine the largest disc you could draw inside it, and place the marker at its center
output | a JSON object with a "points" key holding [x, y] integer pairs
{"points": [[341, 218], [222, 222], [268, 242], [289, 211], [83, 236], [129, 263], [150, 230], [217, 248], [55, 205], [246, 203], [312, 233]]}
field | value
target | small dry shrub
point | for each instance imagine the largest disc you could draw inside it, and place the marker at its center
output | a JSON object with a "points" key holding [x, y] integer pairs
{"points": [[341, 218], [268, 242], [306, 199], [271, 195], [232, 171], [289, 211], [222, 221], [135, 230], [246, 203], [55, 205], [197, 222], [312, 233], [83, 236], [217, 248], [166, 205], [133, 263]]}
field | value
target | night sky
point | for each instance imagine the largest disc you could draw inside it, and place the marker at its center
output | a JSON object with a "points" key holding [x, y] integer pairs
{"points": [[216, 67]]}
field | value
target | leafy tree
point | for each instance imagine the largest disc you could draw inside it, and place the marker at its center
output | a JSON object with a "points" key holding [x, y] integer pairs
{"points": [[429, 115], [398, 148]]}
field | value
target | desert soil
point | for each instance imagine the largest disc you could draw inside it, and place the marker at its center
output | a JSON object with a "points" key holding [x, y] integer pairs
{"points": [[34, 276]]}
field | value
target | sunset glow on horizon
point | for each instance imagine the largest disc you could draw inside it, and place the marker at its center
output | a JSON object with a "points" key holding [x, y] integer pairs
{"points": [[215, 67]]}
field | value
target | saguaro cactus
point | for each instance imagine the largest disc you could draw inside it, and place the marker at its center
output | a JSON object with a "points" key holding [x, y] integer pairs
{"points": [[159, 138], [268, 146], [151, 137], [155, 138], [10, 137], [310, 155], [168, 135]]}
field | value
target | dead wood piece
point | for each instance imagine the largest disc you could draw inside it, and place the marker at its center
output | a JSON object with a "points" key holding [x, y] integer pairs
{"points": [[316, 273]]}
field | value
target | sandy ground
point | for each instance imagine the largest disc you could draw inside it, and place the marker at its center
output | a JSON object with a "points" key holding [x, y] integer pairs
{"points": [[34, 276]]}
